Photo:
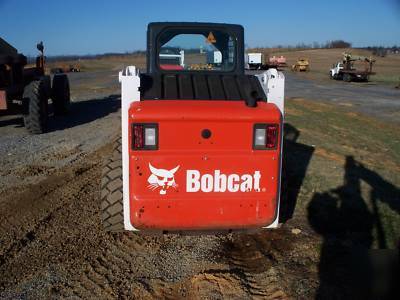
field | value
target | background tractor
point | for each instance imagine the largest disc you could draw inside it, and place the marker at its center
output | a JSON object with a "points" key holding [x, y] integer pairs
{"points": [[302, 65], [27, 89], [65, 68]]}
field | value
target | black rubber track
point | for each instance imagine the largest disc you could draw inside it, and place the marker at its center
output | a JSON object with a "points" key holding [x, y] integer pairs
{"points": [[111, 191], [35, 117]]}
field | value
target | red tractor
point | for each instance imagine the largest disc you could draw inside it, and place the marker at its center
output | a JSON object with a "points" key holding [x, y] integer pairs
{"points": [[201, 146], [26, 90]]}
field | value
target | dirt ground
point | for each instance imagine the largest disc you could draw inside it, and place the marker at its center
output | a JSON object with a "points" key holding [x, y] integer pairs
{"points": [[340, 205]]}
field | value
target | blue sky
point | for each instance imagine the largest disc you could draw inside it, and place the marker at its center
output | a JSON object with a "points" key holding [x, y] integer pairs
{"points": [[91, 27]]}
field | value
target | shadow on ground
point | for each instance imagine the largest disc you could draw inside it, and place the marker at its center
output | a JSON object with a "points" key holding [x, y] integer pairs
{"points": [[349, 223], [83, 112], [15, 121], [296, 159]]}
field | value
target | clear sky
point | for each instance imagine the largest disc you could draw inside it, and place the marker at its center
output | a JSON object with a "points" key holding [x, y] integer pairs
{"points": [[97, 26]]}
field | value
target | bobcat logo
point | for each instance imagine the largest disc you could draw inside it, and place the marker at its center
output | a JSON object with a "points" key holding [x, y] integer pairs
{"points": [[161, 178]]}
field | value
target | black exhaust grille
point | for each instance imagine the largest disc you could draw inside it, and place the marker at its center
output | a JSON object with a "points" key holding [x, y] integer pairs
{"points": [[201, 87]]}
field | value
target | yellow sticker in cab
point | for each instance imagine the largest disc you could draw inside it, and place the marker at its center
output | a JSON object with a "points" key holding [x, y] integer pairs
{"points": [[211, 38]]}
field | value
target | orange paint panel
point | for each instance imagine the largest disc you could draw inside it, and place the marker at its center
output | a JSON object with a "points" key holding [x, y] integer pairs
{"points": [[192, 182]]}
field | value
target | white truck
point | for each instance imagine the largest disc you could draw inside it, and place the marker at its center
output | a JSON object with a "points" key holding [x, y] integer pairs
{"points": [[334, 73], [254, 61], [345, 70], [214, 57]]}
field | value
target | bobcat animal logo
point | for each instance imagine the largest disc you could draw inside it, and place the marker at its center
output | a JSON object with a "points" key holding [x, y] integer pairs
{"points": [[161, 179]]}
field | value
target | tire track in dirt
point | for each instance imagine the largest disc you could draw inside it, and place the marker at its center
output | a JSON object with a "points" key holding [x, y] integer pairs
{"points": [[58, 248], [36, 202], [38, 208]]}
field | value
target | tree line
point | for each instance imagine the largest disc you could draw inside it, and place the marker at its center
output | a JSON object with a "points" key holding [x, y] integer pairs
{"points": [[375, 50]]}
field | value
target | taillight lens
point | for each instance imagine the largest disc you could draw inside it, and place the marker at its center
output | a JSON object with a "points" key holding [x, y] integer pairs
{"points": [[138, 137], [271, 136], [144, 136], [265, 136]]}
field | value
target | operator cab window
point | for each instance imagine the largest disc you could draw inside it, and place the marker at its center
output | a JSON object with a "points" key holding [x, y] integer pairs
{"points": [[205, 51]]}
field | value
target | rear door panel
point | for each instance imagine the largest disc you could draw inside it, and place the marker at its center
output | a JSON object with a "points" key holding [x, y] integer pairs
{"points": [[192, 182]]}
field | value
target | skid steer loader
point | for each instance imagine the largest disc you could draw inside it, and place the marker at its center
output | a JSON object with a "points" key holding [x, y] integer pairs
{"points": [[200, 148]]}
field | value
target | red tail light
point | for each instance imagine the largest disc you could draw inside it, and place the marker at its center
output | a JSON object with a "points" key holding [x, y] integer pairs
{"points": [[145, 136], [271, 136], [265, 136], [138, 137]]}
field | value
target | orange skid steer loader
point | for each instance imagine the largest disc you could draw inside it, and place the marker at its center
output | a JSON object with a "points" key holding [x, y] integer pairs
{"points": [[201, 147]]}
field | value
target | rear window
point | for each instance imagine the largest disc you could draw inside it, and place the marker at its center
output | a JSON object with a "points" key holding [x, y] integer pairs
{"points": [[212, 50]]}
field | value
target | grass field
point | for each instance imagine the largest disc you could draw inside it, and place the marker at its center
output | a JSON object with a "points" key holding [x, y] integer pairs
{"points": [[350, 189], [342, 174]]}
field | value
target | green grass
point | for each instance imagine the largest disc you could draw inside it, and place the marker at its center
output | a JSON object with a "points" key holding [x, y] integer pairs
{"points": [[386, 79], [354, 174]]}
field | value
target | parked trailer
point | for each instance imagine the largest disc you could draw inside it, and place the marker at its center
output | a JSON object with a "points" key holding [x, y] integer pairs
{"points": [[26, 90], [278, 62], [200, 149], [254, 61]]}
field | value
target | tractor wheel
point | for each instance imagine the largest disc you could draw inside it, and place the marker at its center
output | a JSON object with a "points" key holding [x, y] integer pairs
{"points": [[347, 77], [60, 94], [35, 114], [111, 191], [47, 85]]}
